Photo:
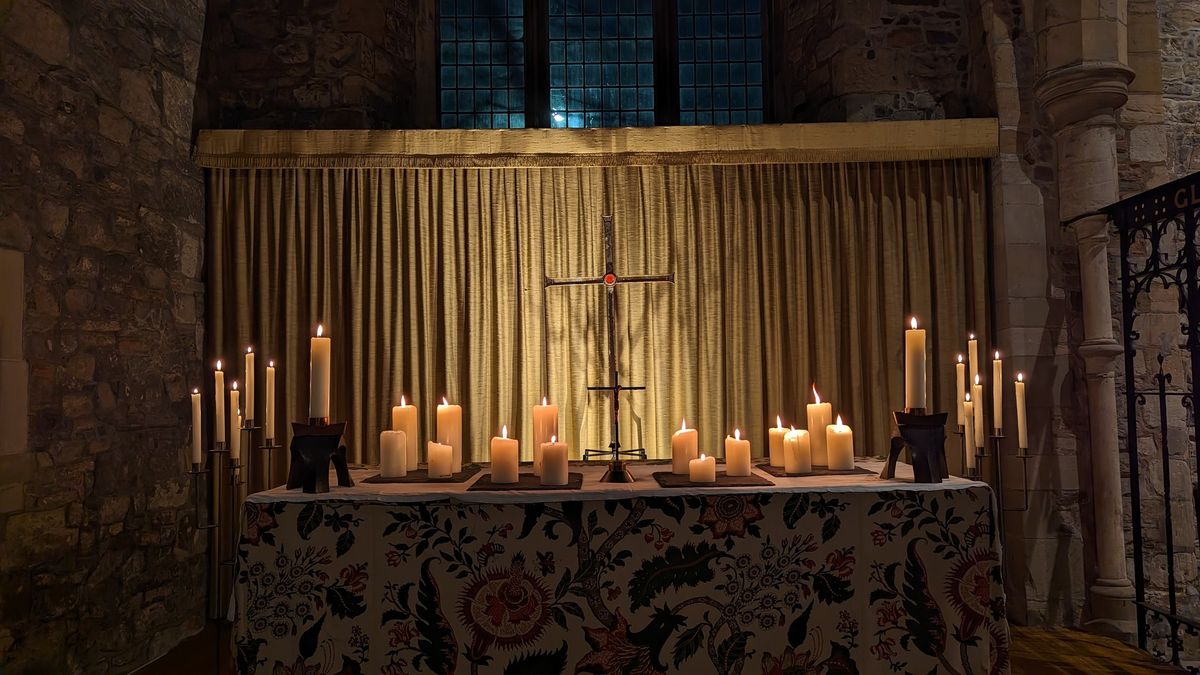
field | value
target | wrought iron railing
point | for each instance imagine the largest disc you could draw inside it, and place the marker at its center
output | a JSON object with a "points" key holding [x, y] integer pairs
{"points": [[1159, 284]]}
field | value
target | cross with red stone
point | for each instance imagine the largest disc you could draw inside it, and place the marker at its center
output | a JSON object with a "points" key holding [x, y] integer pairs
{"points": [[617, 472]]}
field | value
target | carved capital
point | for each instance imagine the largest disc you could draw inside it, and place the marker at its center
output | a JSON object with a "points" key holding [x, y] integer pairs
{"points": [[1099, 357], [1079, 92]]}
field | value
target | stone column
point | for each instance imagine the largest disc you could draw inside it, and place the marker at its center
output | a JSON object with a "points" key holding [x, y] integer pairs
{"points": [[1081, 102]]}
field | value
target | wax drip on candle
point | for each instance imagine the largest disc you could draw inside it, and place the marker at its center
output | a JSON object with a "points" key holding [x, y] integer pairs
{"points": [[778, 422], [737, 434], [815, 394], [504, 431]]}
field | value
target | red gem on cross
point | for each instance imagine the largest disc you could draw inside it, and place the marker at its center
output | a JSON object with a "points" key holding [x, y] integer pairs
{"points": [[610, 279]]}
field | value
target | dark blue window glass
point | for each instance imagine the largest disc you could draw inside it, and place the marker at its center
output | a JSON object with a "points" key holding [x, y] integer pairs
{"points": [[601, 63], [482, 54], [720, 62]]}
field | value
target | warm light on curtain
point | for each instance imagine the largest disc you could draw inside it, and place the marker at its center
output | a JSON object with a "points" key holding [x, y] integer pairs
{"points": [[430, 282]]}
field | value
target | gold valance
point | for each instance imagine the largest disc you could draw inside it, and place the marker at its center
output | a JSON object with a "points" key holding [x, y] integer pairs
{"points": [[638, 146]]}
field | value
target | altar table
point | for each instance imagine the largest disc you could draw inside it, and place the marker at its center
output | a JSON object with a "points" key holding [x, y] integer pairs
{"points": [[831, 574]]}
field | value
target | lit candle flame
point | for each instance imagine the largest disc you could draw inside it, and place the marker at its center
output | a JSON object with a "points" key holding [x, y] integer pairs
{"points": [[970, 336], [195, 390], [554, 439], [1020, 377], [976, 378], [960, 358], [270, 364], [683, 425], [793, 429], [839, 422], [543, 400], [444, 401], [218, 364], [778, 422], [249, 350], [504, 431], [997, 354], [235, 385], [402, 403], [239, 412], [913, 323], [815, 394], [320, 330], [703, 456], [968, 398], [737, 434]]}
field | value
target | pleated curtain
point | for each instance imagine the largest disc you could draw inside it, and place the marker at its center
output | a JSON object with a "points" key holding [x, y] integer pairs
{"points": [[430, 282]]}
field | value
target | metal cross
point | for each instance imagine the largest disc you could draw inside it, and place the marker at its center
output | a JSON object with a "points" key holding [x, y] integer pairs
{"points": [[617, 472]]}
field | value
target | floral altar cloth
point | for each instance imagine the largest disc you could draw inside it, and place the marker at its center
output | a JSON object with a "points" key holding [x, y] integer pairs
{"points": [[830, 574]]}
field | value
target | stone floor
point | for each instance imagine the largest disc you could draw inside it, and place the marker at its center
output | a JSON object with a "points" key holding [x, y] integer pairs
{"points": [[1036, 651]]}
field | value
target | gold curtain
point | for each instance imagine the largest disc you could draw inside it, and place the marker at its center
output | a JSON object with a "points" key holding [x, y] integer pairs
{"points": [[430, 282]]}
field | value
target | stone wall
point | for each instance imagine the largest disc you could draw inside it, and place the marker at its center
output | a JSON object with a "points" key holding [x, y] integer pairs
{"points": [[1179, 25], [101, 568], [852, 60], [319, 65]]}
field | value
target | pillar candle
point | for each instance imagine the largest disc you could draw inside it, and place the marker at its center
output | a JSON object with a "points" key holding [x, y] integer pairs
{"points": [[977, 397], [972, 358], [219, 405], [235, 435], [1022, 428], [441, 459], [269, 404], [703, 469], [393, 458], [969, 430], [554, 462], [545, 425], [797, 451], [914, 366], [318, 375], [404, 418], [197, 430], [775, 442], [997, 394], [819, 416], [737, 455], [960, 386], [248, 380], [840, 441], [505, 454], [684, 444], [449, 430]]}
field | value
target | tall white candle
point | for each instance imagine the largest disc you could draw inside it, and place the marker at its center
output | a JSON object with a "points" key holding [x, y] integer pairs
{"points": [[197, 430], [404, 418], [1022, 428], [972, 358], [819, 416], [318, 375], [505, 453], [775, 442], [684, 445], [841, 446], [977, 397], [441, 459], [797, 451], [248, 380], [393, 458], [554, 462], [703, 469], [235, 437], [969, 430], [449, 430], [737, 455], [219, 405], [997, 393], [960, 386], [269, 417], [545, 425], [914, 366]]}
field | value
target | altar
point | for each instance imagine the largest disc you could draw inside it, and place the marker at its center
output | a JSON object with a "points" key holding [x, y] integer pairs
{"points": [[838, 574]]}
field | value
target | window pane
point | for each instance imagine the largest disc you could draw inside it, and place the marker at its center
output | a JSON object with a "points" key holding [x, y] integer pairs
{"points": [[607, 64], [482, 57], [720, 53]]}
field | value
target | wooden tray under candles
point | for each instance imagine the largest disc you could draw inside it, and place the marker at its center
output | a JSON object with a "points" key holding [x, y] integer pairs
{"points": [[672, 480], [422, 476], [817, 471], [525, 481]]}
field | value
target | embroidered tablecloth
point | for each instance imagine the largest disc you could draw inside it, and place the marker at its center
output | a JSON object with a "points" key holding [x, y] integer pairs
{"points": [[831, 574]]}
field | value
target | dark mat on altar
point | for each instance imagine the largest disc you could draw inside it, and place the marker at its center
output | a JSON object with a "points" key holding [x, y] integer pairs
{"points": [[671, 480], [817, 471], [525, 481], [422, 476]]}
